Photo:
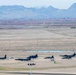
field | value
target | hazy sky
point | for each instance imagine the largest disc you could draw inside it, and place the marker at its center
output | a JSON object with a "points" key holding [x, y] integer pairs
{"points": [[61, 4]]}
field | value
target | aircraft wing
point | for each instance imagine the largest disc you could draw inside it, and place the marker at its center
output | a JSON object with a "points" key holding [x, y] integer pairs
{"points": [[63, 55], [21, 59], [66, 57]]}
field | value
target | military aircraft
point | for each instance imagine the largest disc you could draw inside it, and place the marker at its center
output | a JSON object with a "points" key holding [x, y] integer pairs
{"points": [[49, 57], [2, 58], [68, 56], [28, 58]]}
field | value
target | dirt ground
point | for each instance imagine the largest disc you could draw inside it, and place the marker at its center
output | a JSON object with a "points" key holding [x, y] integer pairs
{"points": [[43, 65]]}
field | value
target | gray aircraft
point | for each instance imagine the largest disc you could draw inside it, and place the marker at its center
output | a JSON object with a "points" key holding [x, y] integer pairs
{"points": [[49, 57], [68, 56]]}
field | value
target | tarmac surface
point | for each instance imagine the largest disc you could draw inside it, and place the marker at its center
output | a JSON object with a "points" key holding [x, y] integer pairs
{"points": [[36, 73]]}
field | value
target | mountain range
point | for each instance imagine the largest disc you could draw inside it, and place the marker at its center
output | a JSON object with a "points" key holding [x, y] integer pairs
{"points": [[21, 12]]}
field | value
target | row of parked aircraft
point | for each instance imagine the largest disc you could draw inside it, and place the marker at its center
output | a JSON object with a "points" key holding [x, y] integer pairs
{"points": [[22, 59], [66, 56], [36, 56]]}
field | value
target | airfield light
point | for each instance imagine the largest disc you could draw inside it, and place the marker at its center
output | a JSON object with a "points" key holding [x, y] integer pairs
{"points": [[31, 64]]}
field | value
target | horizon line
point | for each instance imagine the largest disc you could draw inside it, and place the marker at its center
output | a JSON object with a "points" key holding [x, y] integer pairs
{"points": [[38, 6]]}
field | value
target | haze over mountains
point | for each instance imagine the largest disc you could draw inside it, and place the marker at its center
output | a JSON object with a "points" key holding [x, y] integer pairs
{"points": [[21, 12]]}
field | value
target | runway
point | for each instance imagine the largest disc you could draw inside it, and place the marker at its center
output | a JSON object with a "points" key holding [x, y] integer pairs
{"points": [[37, 73]]}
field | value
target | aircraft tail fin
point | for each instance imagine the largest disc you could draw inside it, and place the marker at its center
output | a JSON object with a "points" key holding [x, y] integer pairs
{"points": [[5, 56]]}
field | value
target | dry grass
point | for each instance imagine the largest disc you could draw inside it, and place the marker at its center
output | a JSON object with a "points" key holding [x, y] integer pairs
{"points": [[38, 39]]}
